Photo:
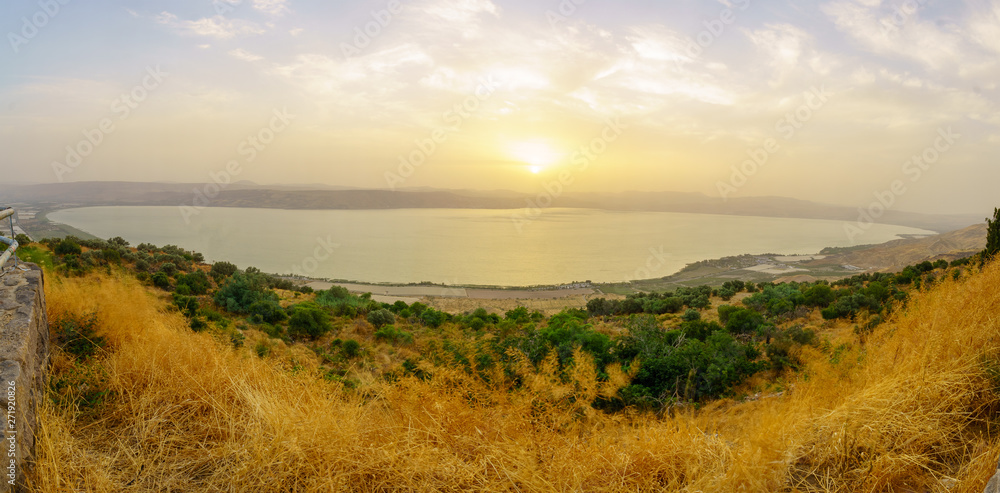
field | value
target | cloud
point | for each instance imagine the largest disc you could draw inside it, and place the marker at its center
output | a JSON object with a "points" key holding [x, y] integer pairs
{"points": [[273, 7], [783, 46], [985, 28], [459, 10], [897, 32], [214, 27], [242, 54]]}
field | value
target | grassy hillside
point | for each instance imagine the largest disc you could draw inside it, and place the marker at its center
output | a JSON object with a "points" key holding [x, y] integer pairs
{"points": [[138, 401]]}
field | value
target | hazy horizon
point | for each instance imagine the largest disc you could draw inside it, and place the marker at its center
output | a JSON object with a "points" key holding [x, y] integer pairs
{"points": [[835, 98]]}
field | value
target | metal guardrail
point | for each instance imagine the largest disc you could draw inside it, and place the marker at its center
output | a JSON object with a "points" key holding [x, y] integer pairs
{"points": [[8, 213]]}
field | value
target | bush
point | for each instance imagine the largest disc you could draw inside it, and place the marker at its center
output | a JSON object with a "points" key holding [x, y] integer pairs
{"points": [[350, 349], [111, 255], [222, 270], [22, 239], [691, 315], [820, 295], [381, 317], [743, 321], [196, 281], [727, 293], [161, 280], [391, 334], [186, 304], [266, 311], [243, 290], [345, 304], [308, 321], [78, 336], [691, 369], [433, 318], [169, 269], [68, 246]]}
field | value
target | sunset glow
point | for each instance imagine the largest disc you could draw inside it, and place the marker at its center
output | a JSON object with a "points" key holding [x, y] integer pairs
{"points": [[507, 83], [538, 154]]}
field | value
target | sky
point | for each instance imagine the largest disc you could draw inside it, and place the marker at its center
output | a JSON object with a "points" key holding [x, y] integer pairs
{"points": [[840, 101]]}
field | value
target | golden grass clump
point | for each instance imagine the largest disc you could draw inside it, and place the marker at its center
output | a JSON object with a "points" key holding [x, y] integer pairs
{"points": [[911, 409]]}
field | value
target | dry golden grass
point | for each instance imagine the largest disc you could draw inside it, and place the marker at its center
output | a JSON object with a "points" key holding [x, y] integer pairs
{"points": [[912, 409]]}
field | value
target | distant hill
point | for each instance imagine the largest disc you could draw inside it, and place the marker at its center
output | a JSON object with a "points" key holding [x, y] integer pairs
{"points": [[248, 194], [895, 255]]}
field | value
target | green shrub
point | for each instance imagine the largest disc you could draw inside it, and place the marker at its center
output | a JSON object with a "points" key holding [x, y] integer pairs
{"points": [[196, 281], [111, 255], [691, 315], [381, 317], [350, 349], [68, 246], [262, 349], [727, 293], [267, 311], [744, 321], [820, 295], [391, 334], [345, 304], [161, 280], [186, 304], [308, 321], [78, 336], [243, 290], [169, 269], [433, 318], [198, 324], [222, 270]]}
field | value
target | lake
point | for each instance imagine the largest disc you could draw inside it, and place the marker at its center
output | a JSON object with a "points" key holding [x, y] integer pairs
{"points": [[466, 246]]}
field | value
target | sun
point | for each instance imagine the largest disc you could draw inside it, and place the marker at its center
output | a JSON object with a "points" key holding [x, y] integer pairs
{"points": [[538, 154]]}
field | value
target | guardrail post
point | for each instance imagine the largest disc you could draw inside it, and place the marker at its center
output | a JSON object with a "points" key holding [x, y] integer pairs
{"points": [[8, 213]]}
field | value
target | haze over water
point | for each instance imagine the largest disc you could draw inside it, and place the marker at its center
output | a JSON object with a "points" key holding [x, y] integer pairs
{"points": [[468, 247]]}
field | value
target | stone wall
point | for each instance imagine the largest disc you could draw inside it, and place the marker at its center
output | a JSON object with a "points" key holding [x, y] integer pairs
{"points": [[24, 359]]}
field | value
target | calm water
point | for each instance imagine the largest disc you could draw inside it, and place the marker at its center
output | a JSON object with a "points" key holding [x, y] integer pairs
{"points": [[460, 246]]}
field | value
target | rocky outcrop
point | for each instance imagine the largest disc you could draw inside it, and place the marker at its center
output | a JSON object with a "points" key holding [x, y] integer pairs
{"points": [[24, 359], [994, 485]]}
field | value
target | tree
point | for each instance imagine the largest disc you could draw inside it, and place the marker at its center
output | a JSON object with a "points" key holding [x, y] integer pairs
{"points": [[744, 321], [820, 295], [118, 241], [222, 270], [727, 293], [992, 235]]}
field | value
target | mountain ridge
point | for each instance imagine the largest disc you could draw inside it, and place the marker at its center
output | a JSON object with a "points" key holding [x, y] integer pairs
{"points": [[248, 194]]}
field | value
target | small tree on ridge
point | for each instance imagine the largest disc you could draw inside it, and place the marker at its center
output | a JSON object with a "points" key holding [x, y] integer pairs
{"points": [[992, 235]]}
